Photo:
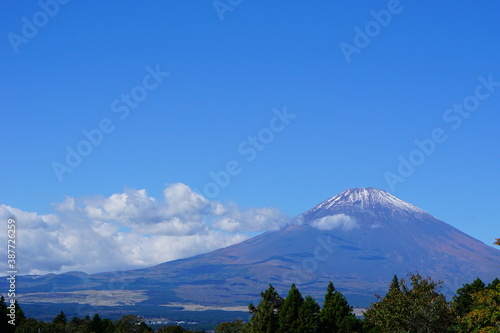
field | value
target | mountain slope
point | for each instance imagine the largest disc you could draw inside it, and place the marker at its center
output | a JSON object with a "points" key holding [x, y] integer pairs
{"points": [[358, 239]]}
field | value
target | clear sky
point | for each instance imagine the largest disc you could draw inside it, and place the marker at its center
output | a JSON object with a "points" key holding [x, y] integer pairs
{"points": [[118, 116]]}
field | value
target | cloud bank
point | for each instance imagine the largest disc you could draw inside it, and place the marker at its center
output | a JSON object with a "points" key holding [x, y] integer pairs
{"points": [[337, 221], [130, 230]]}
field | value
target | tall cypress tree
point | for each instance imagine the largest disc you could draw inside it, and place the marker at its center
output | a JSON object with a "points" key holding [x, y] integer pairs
{"points": [[335, 309], [309, 316], [265, 315], [59, 322], [288, 316]]}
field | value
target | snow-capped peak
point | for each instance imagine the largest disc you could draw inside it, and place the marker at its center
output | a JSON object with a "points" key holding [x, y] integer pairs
{"points": [[370, 199]]}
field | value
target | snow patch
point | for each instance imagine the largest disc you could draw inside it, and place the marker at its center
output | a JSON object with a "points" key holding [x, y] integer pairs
{"points": [[337, 221]]}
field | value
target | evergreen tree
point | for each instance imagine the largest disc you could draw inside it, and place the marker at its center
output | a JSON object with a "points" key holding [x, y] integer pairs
{"points": [[484, 310], [59, 322], [485, 315], [335, 309], [108, 326], [60, 319], [493, 284], [394, 299], [265, 318], [4, 320], [31, 325], [236, 326], [171, 329], [350, 324], [74, 324], [5, 313], [288, 316], [394, 288], [462, 301], [20, 316], [99, 325], [96, 324], [309, 316]]}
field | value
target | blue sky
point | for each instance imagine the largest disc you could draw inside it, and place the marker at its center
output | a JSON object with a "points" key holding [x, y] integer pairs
{"points": [[233, 67]]}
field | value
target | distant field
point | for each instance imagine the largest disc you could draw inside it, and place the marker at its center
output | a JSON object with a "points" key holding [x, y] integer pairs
{"points": [[91, 297]]}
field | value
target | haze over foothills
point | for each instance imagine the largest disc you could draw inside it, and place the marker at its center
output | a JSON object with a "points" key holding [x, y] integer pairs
{"points": [[138, 133]]}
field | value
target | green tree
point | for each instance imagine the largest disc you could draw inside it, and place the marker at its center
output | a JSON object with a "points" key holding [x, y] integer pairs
{"points": [[60, 319], [96, 324], [309, 315], [31, 325], [79, 325], [236, 326], [493, 284], [383, 315], [462, 301], [74, 325], [417, 308], [173, 329], [131, 324], [265, 318], [483, 309], [59, 323], [99, 325], [4, 320], [485, 315], [288, 316], [335, 309]]}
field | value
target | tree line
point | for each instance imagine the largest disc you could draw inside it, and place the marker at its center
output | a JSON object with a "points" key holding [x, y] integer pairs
{"points": [[412, 305], [60, 324]]}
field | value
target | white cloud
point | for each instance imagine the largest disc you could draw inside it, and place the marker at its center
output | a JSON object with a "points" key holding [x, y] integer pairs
{"points": [[338, 221], [255, 219], [130, 230]]}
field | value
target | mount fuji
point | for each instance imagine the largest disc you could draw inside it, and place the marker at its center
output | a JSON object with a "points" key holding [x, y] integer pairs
{"points": [[358, 239]]}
